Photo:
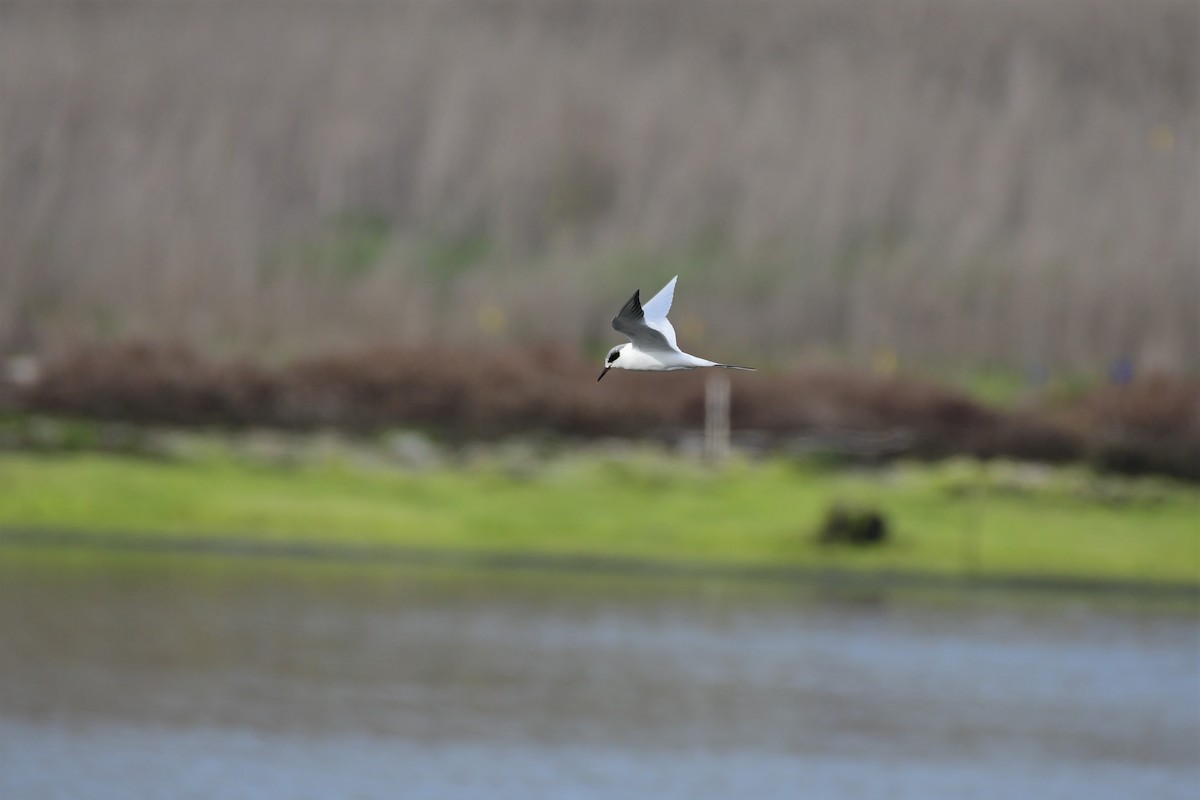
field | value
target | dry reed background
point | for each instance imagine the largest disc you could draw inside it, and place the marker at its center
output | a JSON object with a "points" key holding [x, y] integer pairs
{"points": [[1004, 181]]}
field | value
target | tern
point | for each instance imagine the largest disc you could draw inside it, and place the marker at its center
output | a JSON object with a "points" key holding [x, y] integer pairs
{"points": [[652, 346]]}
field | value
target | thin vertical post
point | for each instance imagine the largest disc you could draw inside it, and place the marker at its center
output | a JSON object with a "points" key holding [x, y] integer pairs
{"points": [[716, 418], [973, 521]]}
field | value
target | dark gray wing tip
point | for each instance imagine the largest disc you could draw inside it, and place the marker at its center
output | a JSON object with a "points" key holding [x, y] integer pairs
{"points": [[631, 310]]}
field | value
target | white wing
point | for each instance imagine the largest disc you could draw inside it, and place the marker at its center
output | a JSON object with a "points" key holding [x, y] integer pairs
{"points": [[657, 308]]}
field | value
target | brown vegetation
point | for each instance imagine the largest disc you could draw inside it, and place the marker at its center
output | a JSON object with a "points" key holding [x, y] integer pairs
{"points": [[950, 181], [1150, 426]]}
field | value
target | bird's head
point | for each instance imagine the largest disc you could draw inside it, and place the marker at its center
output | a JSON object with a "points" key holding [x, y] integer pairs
{"points": [[612, 358]]}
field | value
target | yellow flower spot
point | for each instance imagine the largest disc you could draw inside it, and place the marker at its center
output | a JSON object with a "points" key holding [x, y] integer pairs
{"points": [[1162, 139]]}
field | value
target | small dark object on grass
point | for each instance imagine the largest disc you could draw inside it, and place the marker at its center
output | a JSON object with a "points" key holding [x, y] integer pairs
{"points": [[856, 526]]}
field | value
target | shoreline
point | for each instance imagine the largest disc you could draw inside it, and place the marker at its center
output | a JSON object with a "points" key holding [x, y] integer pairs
{"points": [[246, 547], [642, 510]]}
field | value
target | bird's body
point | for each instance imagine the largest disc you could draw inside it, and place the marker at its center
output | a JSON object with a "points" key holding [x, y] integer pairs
{"points": [[652, 346]]}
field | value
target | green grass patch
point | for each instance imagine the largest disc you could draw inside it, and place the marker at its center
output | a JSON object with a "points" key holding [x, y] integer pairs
{"points": [[955, 518]]}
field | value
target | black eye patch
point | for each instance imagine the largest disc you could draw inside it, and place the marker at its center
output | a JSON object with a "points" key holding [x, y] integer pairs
{"points": [[613, 356]]}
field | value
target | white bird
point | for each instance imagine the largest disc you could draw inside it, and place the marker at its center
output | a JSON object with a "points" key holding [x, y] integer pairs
{"points": [[652, 346]]}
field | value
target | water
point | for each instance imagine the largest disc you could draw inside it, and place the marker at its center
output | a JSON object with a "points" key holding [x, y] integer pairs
{"points": [[176, 677]]}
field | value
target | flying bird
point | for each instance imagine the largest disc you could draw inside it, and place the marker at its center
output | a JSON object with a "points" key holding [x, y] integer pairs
{"points": [[652, 346]]}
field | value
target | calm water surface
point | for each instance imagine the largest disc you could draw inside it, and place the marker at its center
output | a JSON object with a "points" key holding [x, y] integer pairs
{"points": [[125, 677]]}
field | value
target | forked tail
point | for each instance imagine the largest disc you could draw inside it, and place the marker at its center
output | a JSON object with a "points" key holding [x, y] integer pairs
{"points": [[735, 366]]}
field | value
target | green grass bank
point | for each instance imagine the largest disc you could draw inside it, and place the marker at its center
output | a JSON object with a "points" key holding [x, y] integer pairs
{"points": [[956, 518]]}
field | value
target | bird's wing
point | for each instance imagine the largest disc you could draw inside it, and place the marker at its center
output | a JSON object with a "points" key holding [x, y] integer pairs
{"points": [[656, 310], [659, 306], [631, 321]]}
